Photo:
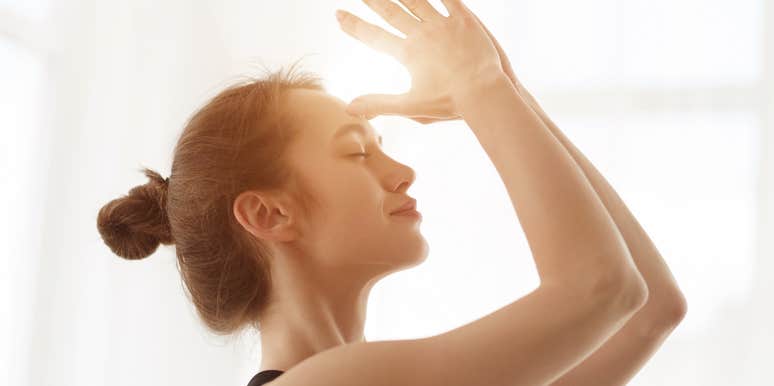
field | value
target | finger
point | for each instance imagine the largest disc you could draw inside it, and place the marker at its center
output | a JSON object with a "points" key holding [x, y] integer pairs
{"points": [[454, 7], [394, 14], [422, 9], [370, 34], [424, 121], [378, 104]]}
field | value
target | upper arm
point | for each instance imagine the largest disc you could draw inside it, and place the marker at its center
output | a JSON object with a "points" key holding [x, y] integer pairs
{"points": [[530, 341]]}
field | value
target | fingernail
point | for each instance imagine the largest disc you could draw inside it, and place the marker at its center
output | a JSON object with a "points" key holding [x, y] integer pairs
{"points": [[339, 15]]}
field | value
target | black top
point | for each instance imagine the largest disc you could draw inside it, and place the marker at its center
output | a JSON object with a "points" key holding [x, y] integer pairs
{"points": [[264, 376]]}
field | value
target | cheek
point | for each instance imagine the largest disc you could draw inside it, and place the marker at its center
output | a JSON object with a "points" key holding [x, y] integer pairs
{"points": [[347, 190], [356, 200], [356, 203]]}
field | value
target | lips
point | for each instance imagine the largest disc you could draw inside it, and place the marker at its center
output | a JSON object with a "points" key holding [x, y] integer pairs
{"points": [[408, 205]]}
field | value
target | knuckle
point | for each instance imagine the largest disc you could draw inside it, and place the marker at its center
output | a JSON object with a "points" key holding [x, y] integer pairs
{"points": [[365, 31], [364, 107], [428, 34], [468, 19], [411, 4], [390, 12], [378, 39]]}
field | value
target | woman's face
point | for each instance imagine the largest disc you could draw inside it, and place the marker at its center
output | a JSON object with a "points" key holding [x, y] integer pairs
{"points": [[353, 226]]}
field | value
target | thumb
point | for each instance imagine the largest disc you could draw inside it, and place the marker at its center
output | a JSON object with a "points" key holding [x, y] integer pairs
{"points": [[377, 104]]}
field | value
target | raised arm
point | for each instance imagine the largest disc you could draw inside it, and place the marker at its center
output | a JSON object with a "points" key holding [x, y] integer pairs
{"points": [[540, 336], [569, 232], [589, 284], [456, 71], [619, 359]]}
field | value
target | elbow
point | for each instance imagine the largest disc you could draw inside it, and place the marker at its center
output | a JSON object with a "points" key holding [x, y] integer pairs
{"points": [[673, 309], [628, 291], [633, 293], [663, 315], [680, 310]]}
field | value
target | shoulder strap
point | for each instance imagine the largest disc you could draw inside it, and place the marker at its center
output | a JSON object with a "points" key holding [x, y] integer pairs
{"points": [[264, 376]]}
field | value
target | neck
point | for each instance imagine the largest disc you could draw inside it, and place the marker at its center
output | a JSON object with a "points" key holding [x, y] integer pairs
{"points": [[312, 311]]}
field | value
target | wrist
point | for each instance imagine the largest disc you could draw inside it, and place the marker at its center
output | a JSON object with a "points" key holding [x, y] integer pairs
{"points": [[474, 91]]}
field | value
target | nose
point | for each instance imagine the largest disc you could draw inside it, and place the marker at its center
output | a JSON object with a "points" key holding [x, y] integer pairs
{"points": [[404, 178]]}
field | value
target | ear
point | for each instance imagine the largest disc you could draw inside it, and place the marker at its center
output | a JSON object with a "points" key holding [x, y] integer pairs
{"points": [[264, 216]]}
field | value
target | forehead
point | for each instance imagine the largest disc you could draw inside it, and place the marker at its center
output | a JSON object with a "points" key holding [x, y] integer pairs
{"points": [[321, 115]]}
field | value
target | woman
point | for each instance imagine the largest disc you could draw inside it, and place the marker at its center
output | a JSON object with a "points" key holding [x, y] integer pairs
{"points": [[287, 232]]}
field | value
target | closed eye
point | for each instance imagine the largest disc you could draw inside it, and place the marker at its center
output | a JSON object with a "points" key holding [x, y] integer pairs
{"points": [[365, 155]]}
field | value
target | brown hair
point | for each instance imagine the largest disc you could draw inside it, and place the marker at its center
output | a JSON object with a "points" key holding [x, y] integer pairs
{"points": [[235, 142]]}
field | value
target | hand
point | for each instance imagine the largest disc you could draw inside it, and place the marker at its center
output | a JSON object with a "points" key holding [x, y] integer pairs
{"points": [[444, 56], [504, 62]]}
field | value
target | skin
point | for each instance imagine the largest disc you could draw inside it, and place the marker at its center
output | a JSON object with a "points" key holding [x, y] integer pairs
{"points": [[623, 354], [627, 351], [588, 289], [620, 356], [323, 266]]}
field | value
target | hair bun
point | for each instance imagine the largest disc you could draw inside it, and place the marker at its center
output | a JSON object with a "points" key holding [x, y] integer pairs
{"points": [[134, 225]]}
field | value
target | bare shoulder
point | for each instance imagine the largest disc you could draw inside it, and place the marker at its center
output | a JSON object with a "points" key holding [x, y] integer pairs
{"points": [[388, 362], [531, 341]]}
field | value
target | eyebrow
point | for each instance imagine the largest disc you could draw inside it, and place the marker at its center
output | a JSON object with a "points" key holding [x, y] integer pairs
{"points": [[350, 127]]}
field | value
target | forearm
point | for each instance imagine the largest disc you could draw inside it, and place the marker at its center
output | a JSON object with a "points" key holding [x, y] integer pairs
{"points": [[570, 233], [664, 294]]}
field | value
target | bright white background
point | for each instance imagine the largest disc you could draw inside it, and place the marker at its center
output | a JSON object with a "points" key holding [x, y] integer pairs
{"points": [[673, 100]]}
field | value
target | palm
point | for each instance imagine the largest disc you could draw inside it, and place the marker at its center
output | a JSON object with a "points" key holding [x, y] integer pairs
{"points": [[442, 54], [504, 63]]}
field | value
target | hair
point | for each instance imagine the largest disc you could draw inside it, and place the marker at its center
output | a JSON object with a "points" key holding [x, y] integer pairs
{"points": [[236, 142]]}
